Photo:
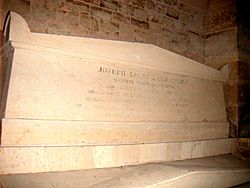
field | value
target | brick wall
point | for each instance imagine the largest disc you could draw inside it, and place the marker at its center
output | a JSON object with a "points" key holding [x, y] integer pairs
{"points": [[176, 25]]}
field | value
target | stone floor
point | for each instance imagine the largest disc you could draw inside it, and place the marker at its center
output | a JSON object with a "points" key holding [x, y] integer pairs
{"points": [[244, 185], [219, 171]]}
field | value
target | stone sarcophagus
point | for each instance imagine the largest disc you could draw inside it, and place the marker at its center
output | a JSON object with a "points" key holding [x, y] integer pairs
{"points": [[89, 103]]}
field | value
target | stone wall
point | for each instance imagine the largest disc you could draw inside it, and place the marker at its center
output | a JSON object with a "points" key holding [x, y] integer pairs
{"points": [[221, 48], [244, 68], [227, 41], [176, 25], [1, 43], [244, 148], [244, 78]]}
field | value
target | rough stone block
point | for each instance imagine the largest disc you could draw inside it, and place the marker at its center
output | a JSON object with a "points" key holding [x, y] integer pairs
{"points": [[168, 33], [177, 41], [150, 5], [161, 8], [155, 17], [95, 2], [184, 17], [75, 6], [126, 8], [90, 23], [125, 32], [139, 23], [151, 38], [53, 4], [107, 26], [168, 22], [100, 12], [180, 27], [71, 18], [139, 3], [170, 2], [109, 4], [195, 22], [186, 8], [154, 28], [140, 14], [120, 18], [172, 13], [139, 36]]}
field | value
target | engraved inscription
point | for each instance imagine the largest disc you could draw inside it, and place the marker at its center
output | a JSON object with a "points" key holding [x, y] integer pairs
{"points": [[138, 91], [112, 71], [95, 90]]}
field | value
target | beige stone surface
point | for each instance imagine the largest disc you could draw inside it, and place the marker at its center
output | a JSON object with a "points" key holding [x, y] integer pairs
{"points": [[65, 88], [23, 132], [62, 158], [219, 171]]}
